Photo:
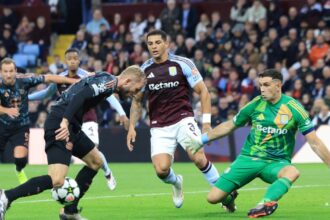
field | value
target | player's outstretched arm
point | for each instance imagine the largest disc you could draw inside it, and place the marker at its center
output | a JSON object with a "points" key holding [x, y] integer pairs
{"points": [[135, 114], [42, 94], [318, 147], [220, 131], [49, 78], [205, 98], [114, 102]]}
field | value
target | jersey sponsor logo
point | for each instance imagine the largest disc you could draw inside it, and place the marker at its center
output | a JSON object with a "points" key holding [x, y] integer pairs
{"points": [[151, 75], [99, 88], [172, 70], [195, 71], [284, 119], [163, 85], [271, 130]]}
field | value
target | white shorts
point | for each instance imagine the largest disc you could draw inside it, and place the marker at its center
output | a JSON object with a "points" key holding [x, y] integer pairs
{"points": [[91, 129], [165, 139]]}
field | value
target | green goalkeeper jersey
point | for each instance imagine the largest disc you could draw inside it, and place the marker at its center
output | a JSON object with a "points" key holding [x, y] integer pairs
{"points": [[274, 127]]}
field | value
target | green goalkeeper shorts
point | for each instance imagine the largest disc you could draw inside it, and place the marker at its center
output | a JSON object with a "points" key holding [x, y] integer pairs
{"points": [[244, 169]]}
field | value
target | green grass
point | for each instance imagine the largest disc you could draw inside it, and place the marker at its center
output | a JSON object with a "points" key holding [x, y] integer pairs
{"points": [[140, 195]]}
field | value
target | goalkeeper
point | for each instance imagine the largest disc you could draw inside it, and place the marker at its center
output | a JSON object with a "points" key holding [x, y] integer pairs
{"points": [[267, 151]]}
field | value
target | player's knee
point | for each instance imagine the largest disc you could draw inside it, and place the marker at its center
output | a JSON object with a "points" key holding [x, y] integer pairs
{"points": [[291, 173], [57, 181], [96, 163], [213, 199], [162, 171]]}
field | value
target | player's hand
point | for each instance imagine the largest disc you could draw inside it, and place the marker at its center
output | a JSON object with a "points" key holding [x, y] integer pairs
{"points": [[63, 132], [206, 128], [131, 138], [12, 112], [124, 121]]}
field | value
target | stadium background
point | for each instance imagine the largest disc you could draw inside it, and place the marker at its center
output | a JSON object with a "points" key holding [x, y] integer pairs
{"points": [[228, 43]]}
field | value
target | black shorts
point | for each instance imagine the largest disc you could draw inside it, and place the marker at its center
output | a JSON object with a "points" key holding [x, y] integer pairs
{"points": [[79, 144], [14, 136]]}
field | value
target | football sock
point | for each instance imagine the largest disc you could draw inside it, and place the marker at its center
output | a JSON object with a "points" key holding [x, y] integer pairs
{"points": [[210, 173], [277, 190], [105, 166], [84, 180], [20, 163], [171, 178], [33, 186]]}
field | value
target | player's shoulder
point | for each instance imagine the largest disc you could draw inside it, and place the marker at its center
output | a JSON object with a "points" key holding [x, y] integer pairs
{"points": [[182, 61], [147, 63], [289, 101]]}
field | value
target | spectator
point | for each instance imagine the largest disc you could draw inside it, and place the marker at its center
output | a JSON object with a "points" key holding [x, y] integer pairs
{"points": [[93, 26], [294, 19], [8, 19], [326, 75], [319, 50], [239, 12], [326, 97], [273, 13], [312, 11], [151, 23], [24, 30], [256, 12], [55, 67], [168, 16], [117, 20], [3, 52], [216, 21], [80, 42], [202, 24], [323, 118], [188, 19], [41, 36], [8, 41], [136, 27]]}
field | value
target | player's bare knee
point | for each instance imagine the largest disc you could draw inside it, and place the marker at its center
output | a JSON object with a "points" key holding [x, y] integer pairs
{"points": [[212, 199], [96, 163], [162, 171], [291, 173], [57, 181]]}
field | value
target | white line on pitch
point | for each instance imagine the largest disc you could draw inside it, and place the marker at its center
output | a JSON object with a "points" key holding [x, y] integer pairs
{"points": [[162, 194]]}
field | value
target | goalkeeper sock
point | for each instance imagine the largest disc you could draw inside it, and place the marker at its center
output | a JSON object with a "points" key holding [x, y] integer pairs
{"points": [[171, 178], [210, 173], [84, 179], [33, 186], [105, 166], [277, 190]]}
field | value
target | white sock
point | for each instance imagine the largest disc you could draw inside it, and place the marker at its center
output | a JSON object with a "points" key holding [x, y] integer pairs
{"points": [[210, 173], [105, 166], [171, 178]]}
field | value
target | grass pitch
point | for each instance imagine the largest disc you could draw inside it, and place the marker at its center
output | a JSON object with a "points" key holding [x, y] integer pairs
{"points": [[141, 195]]}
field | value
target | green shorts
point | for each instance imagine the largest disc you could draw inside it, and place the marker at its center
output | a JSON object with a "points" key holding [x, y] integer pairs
{"points": [[244, 169]]}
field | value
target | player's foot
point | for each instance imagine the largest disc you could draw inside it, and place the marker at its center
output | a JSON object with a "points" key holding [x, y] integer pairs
{"points": [[22, 178], [3, 204], [263, 210], [192, 142], [75, 216], [178, 192], [229, 205], [111, 181]]}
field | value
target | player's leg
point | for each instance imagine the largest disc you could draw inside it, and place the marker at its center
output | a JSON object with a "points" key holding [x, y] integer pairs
{"points": [[163, 145], [58, 159], [20, 139], [281, 175], [91, 129], [84, 149], [241, 171], [209, 171]]}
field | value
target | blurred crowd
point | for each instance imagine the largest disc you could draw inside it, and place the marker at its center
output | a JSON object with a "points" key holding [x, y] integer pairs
{"points": [[228, 51]]}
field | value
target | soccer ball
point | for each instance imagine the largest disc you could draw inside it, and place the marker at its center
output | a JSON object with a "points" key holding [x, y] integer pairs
{"points": [[67, 193]]}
